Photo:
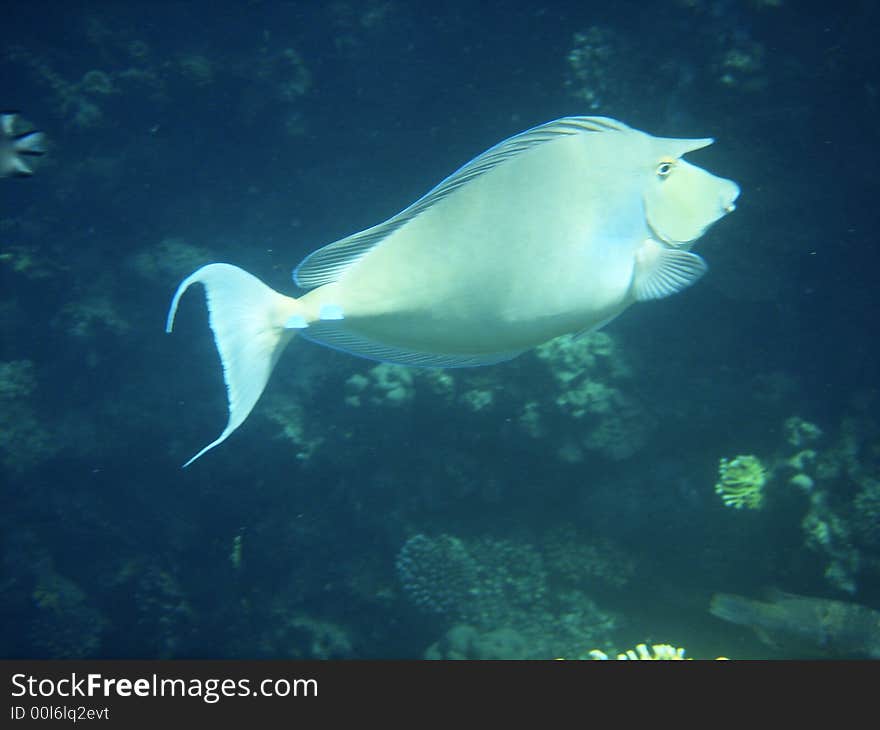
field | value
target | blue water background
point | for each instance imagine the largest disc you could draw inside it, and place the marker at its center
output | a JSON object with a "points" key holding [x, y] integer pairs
{"points": [[253, 133]]}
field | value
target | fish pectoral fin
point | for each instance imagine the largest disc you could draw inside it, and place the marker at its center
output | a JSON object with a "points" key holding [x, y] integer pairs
{"points": [[661, 271]]}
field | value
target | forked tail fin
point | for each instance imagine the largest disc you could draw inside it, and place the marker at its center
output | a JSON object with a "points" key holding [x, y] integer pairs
{"points": [[247, 318]]}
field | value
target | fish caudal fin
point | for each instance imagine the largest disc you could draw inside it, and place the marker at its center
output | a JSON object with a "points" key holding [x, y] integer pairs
{"points": [[21, 142], [247, 318], [30, 143]]}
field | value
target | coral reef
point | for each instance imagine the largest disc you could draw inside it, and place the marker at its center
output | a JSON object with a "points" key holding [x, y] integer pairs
{"points": [[818, 474], [577, 396], [482, 583], [130, 68], [298, 635], [29, 261], [583, 564], [91, 315], [17, 379], [24, 439], [839, 485], [468, 643], [384, 384], [588, 405], [65, 624], [286, 412], [523, 502], [500, 591], [170, 260], [799, 433], [741, 65], [866, 514], [596, 53]]}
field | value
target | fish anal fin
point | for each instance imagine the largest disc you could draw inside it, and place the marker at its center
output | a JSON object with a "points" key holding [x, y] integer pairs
{"points": [[337, 335]]}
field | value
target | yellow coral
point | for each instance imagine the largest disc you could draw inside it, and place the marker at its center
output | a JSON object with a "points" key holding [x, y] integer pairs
{"points": [[741, 482], [656, 652]]}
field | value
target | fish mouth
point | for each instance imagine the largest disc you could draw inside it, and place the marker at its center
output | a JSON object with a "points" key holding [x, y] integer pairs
{"points": [[733, 193]]}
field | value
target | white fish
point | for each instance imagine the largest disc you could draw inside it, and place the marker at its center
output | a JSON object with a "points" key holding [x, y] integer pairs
{"points": [[555, 230], [18, 142]]}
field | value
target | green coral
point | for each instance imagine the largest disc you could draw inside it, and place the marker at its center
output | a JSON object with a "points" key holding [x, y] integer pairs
{"points": [[384, 384], [741, 482], [477, 400], [799, 432], [571, 356], [588, 371]]}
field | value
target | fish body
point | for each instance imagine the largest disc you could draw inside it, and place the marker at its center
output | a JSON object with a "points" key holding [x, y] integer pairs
{"points": [[19, 144], [806, 624], [555, 230]]}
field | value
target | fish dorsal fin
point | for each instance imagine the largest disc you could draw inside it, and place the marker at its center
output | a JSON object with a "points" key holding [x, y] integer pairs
{"points": [[327, 264], [662, 271]]}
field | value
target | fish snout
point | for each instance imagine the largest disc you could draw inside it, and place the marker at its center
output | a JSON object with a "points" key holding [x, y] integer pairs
{"points": [[729, 194]]}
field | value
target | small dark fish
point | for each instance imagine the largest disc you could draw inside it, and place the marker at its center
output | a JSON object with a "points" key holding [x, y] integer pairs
{"points": [[805, 624], [18, 142]]}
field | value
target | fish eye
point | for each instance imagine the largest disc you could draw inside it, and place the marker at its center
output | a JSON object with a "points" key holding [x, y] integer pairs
{"points": [[664, 168]]}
